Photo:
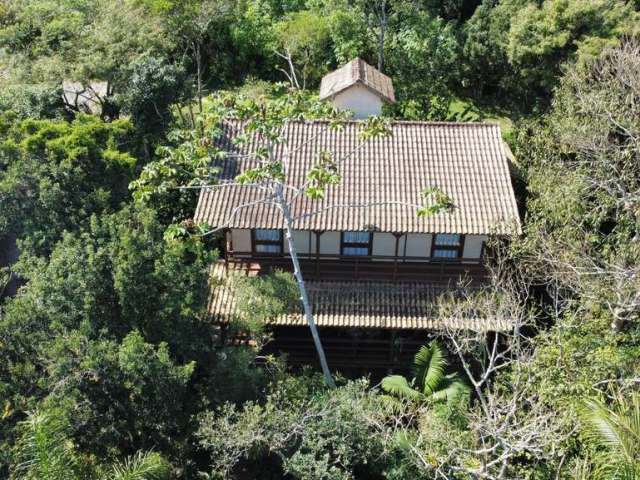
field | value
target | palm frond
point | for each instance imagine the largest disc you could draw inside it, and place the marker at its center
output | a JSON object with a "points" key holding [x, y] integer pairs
{"points": [[142, 466], [453, 389], [398, 386], [393, 404], [615, 430], [603, 427], [428, 366], [44, 450]]}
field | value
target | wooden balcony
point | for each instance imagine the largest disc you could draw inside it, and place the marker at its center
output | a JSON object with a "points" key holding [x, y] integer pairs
{"points": [[332, 267]]}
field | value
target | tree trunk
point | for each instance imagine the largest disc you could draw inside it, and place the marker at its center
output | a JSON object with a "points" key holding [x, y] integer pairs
{"points": [[286, 213], [383, 28]]}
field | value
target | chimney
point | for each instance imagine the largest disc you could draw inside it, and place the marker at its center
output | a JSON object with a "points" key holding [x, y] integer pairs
{"points": [[358, 87]]}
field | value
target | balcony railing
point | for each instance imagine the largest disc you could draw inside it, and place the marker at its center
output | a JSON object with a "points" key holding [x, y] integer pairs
{"points": [[374, 267]]}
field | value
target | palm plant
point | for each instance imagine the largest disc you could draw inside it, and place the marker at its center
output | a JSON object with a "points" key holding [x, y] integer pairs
{"points": [[614, 432], [430, 382], [44, 450], [48, 454], [142, 466]]}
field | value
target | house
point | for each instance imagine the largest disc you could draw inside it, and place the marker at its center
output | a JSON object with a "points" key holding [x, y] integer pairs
{"points": [[372, 267]]}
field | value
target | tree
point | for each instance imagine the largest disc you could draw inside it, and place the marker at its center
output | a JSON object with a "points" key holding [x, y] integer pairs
{"points": [[508, 419], [302, 41], [44, 451], [584, 222], [521, 45], [153, 86], [423, 60], [94, 331], [430, 381], [54, 175], [195, 29], [85, 42], [302, 430]]}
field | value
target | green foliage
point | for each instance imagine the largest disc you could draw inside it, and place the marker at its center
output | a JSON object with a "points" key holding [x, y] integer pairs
{"points": [[153, 86], [423, 60], [438, 202], [575, 355], [588, 216], [430, 381], [142, 466], [121, 396], [32, 101], [266, 297], [190, 161], [48, 454], [44, 449], [520, 46], [304, 36], [580, 236], [108, 340], [187, 162], [614, 431], [82, 41], [316, 432], [54, 175], [67, 337], [349, 32], [322, 174]]}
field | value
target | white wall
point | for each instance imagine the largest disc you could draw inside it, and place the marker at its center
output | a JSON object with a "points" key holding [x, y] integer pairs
{"points": [[385, 244], [330, 243], [473, 246], [360, 100], [418, 245], [301, 242], [241, 240]]}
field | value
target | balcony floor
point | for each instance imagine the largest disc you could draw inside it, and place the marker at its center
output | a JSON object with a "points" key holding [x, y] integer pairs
{"points": [[335, 268]]}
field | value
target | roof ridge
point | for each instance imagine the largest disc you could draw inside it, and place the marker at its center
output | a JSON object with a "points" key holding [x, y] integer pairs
{"points": [[357, 71], [362, 71], [408, 122], [393, 121]]}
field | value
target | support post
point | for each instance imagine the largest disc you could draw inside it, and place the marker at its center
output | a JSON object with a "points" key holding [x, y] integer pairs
{"points": [[318, 234], [395, 255]]}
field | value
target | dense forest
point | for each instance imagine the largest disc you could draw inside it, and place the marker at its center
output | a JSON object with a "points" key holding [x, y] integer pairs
{"points": [[109, 365]]}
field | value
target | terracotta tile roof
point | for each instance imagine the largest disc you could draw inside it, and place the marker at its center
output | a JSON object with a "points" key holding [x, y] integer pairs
{"points": [[465, 160], [357, 71], [360, 304]]}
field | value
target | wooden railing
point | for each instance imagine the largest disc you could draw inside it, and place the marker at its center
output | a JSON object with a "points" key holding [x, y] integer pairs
{"points": [[336, 266]]}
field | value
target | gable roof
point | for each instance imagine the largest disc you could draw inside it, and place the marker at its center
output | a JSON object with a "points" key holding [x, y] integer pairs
{"points": [[466, 161], [357, 71]]}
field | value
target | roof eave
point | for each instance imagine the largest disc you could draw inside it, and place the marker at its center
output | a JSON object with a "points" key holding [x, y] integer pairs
{"points": [[385, 98]]}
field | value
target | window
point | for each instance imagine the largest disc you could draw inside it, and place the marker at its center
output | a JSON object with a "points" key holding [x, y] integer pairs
{"points": [[356, 243], [447, 246], [267, 241]]}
